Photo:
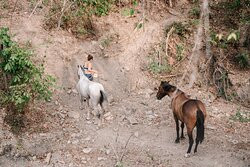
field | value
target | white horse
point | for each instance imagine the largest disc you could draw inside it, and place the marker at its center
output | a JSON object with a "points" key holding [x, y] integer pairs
{"points": [[93, 92]]}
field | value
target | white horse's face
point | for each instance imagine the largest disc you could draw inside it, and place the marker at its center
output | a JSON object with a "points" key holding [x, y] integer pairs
{"points": [[80, 72]]}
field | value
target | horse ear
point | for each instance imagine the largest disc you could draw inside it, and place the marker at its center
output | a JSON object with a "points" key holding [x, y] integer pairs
{"points": [[164, 82]]}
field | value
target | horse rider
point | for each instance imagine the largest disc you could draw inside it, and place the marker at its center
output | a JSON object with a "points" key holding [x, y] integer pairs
{"points": [[88, 71]]}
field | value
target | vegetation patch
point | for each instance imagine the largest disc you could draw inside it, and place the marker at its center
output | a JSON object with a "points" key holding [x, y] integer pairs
{"points": [[155, 67], [180, 28], [23, 81], [243, 60], [230, 43], [76, 16], [194, 12], [241, 116]]}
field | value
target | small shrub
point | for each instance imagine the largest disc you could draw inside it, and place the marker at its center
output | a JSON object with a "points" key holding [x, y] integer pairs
{"points": [[243, 60], [180, 50], [195, 1], [119, 164], [233, 5], [25, 82], [96, 7], [180, 28], [195, 12], [241, 117], [194, 22], [138, 25], [223, 41], [77, 17], [5, 5], [106, 41], [128, 12], [158, 68], [245, 17]]}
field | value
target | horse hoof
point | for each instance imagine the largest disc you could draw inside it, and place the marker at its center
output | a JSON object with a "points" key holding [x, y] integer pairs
{"points": [[187, 155], [182, 138], [177, 141]]}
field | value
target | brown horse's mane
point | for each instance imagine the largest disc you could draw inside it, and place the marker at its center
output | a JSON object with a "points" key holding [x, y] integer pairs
{"points": [[181, 92]]}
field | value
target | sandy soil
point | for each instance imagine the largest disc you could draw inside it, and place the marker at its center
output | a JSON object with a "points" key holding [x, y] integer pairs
{"points": [[59, 134]]}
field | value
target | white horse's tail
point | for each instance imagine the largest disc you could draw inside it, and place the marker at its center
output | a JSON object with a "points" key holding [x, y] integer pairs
{"points": [[103, 98]]}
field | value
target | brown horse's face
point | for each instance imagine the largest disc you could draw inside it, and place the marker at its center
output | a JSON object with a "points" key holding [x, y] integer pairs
{"points": [[163, 90]]}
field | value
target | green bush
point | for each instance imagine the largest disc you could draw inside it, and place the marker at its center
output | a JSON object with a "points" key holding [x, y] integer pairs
{"points": [[243, 60], [180, 28], [128, 12], [233, 5], [24, 81], [77, 16], [96, 7], [241, 117], [195, 12], [158, 68], [180, 49]]}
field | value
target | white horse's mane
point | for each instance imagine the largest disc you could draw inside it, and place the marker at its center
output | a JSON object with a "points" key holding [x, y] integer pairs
{"points": [[81, 73]]}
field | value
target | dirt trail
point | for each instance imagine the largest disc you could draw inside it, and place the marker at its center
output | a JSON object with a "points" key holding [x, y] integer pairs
{"points": [[74, 141]]}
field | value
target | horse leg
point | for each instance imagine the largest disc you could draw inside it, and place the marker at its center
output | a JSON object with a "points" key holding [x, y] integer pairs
{"points": [[87, 102], [98, 114], [182, 127], [177, 140], [94, 106], [81, 102], [88, 113], [191, 141], [196, 145], [100, 117], [102, 112]]}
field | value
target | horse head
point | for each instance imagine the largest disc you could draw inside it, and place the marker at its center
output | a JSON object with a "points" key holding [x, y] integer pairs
{"points": [[80, 71], [165, 89]]}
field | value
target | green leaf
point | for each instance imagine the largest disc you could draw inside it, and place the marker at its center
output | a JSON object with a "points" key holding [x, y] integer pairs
{"points": [[135, 3], [140, 25], [132, 12], [232, 36]]}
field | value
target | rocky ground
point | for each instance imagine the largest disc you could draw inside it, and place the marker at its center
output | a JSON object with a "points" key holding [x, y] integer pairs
{"points": [[138, 129]]}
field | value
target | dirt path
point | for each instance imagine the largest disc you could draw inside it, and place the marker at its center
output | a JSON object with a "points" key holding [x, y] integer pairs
{"points": [[66, 138]]}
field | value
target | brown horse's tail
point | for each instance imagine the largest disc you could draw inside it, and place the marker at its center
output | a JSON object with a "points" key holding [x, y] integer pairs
{"points": [[200, 125]]}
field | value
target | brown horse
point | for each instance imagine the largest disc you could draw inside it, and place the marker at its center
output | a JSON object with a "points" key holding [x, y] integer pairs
{"points": [[190, 112]]}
